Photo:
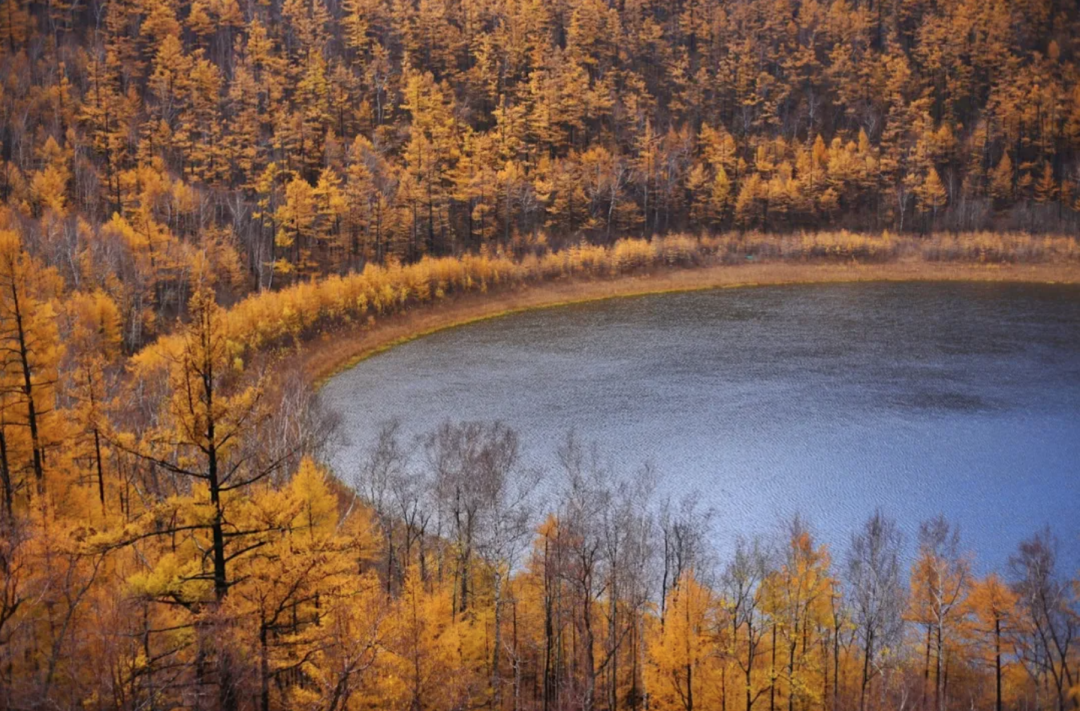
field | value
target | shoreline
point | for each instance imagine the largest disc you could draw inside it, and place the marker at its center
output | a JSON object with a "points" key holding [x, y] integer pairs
{"points": [[333, 353]]}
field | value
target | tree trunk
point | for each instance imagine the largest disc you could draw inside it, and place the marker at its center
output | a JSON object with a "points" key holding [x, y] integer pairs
{"points": [[100, 469], [868, 653], [772, 672], [997, 663], [937, 672], [5, 478], [28, 391], [588, 643], [264, 670], [496, 691], [926, 670]]}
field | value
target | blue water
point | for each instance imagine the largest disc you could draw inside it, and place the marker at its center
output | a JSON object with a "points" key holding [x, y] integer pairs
{"points": [[826, 400]]}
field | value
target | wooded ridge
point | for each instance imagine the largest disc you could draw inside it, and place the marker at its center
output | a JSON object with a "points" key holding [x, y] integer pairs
{"points": [[189, 188]]}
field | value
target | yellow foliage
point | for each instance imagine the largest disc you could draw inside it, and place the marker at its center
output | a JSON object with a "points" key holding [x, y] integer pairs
{"points": [[684, 669]]}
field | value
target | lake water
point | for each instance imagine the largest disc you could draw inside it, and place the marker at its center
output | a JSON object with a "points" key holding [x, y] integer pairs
{"points": [[828, 400]]}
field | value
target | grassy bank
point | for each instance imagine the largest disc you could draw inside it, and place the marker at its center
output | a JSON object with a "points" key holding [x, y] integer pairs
{"points": [[332, 323], [335, 351]]}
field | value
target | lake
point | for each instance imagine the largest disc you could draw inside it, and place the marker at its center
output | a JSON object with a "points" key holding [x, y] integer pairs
{"points": [[827, 400]]}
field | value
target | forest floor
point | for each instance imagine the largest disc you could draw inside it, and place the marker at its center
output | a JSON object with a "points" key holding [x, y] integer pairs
{"points": [[335, 352]]}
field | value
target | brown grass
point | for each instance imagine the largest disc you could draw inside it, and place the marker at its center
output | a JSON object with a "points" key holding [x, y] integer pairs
{"points": [[270, 322], [338, 350]]}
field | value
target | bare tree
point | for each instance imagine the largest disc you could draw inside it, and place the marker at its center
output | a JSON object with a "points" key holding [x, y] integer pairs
{"points": [[626, 529], [744, 593], [876, 594], [471, 463], [381, 471], [1048, 603], [684, 531], [297, 425], [837, 635], [506, 489], [590, 493]]}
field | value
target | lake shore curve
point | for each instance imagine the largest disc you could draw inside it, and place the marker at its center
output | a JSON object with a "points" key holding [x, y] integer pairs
{"points": [[333, 353]]}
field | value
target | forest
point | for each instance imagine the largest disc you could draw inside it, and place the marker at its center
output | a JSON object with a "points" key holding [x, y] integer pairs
{"points": [[193, 190], [169, 539], [195, 555], [258, 145]]}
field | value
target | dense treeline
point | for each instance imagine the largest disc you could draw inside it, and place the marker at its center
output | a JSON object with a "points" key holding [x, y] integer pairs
{"points": [[264, 143]]}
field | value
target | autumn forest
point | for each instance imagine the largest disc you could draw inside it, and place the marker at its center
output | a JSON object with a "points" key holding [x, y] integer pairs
{"points": [[195, 193], [283, 140]]}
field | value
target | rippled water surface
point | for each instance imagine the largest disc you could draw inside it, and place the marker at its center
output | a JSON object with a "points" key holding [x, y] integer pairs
{"points": [[829, 400]]}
